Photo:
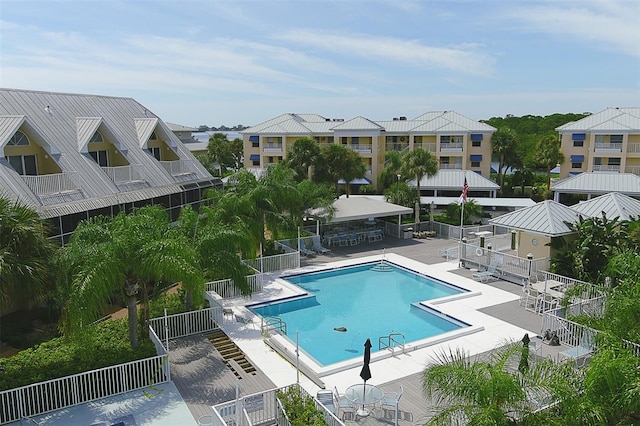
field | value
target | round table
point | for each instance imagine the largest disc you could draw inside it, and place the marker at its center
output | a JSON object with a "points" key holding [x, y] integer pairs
{"points": [[365, 395]]}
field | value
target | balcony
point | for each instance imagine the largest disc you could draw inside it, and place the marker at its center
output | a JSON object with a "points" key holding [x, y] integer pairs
{"points": [[453, 166], [180, 170], [633, 169], [51, 187], [451, 147], [125, 174], [397, 146], [272, 147], [427, 146], [361, 148], [606, 168], [633, 148], [608, 147]]}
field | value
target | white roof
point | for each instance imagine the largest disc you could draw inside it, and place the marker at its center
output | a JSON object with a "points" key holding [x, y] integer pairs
{"points": [[517, 203], [363, 207], [613, 204], [546, 218], [611, 119], [180, 128], [599, 183], [454, 179]]}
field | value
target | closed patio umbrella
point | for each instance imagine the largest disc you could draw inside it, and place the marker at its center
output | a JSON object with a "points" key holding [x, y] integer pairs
{"points": [[365, 373]]}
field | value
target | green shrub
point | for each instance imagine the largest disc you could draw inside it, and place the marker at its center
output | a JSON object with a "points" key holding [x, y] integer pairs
{"points": [[102, 345], [300, 408]]}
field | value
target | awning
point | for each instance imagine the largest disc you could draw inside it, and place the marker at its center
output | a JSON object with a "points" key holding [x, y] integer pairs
{"points": [[361, 208], [476, 157], [476, 136], [358, 181], [577, 158], [254, 138], [254, 157], [578, 136]]}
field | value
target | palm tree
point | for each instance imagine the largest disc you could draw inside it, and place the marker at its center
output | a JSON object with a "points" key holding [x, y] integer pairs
{"points": [[471, 210], [492, 391], [342, 163], [392, 166], [303, 157], [503, 142], [25, 255], [219, 151], [417, 164], [549, 155], [127, 255]]}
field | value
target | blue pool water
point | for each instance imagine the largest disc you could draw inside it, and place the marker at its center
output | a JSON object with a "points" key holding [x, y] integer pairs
{"points": [[368, 303]]}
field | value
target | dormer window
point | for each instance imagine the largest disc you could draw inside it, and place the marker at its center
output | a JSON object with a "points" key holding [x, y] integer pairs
{"points": [[97, 137], [153, 136], [18, 139]]}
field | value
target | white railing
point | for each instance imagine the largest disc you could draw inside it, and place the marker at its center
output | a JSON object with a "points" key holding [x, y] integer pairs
{"points": [[509, 267], [179, 167], [605, 146], [278, 262], [451, 146], [124, 174], [227, 290], [358, 147], [427, 146], [633, 147], [589, 291], [56, 183], [44, 397], [272, 147], [448, 166], [396, 146], [569, 333], [605, 168], [186, 323], [633, 169]]}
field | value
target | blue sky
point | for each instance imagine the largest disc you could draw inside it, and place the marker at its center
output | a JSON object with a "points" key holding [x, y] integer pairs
{"points": [[242, 62]]}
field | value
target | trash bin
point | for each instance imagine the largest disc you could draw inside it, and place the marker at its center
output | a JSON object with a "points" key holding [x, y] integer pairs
{"points": [[408, 233]]}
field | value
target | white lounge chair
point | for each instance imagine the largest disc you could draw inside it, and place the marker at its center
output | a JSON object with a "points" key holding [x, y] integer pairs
{"points": [[317, 246], [485, 276], [304, 250]]}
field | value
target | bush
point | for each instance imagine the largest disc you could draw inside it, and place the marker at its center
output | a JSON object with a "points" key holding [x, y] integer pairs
{"points": [[300, 408], [102, 345]]}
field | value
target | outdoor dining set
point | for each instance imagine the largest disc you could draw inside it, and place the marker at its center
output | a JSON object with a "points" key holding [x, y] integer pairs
{"points": [[352, 237]]}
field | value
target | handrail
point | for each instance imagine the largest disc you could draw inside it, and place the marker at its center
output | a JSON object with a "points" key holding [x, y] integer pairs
{"points": [[391, 342], [269, 324]]}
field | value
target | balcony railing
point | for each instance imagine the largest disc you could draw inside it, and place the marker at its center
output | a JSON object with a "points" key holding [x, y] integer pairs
{"points": [[272, 147], [179, 167], [451, 146], [633, 147], [454, 166], [604, 146], [606, 168], [427, 146], [57, 183], [361, 147], [396, 146], [125, 174]]}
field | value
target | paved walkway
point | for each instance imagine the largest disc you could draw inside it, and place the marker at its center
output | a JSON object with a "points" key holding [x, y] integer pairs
{"points": [[204, 380]]}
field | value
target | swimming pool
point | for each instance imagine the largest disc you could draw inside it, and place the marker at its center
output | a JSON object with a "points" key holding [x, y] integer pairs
{"points": [[345, 306]]}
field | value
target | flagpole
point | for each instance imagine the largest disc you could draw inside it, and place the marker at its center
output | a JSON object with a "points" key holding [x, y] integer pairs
{"points": [[461, 218]]}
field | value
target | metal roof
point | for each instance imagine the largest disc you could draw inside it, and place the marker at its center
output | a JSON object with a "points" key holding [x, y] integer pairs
{"points": [[611, 119], [545, 218], [363, 207], [613, 204], [180, 128], [598, 183], [454, 179], [62, 124], [357, 123], [516, 203]]}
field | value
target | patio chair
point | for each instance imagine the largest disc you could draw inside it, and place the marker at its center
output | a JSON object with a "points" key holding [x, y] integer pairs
{"points": [[484, 276], [325, 397], [304, 250], [317, 246], [347, 409], [390, 402], [353, 239], [243, 320]]}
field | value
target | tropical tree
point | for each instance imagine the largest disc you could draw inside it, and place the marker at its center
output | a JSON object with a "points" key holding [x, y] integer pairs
{"points": [[236, 149], [25, 255], [392, 166], [342, 163], [304, 156], [417, 164], [219, 152], [128, 256], [503, 142], [549, 154], [402, 194], [492, 391], [471, 210]]}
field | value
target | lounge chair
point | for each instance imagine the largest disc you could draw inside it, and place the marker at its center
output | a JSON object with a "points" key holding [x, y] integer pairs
{"points": [[485, 276], [325, 397], [304, 250], [243, 320], [317, 246]]}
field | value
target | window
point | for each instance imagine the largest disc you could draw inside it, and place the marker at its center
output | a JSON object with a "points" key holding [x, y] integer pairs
{"points": [[270, 160], [614, 161], [615, 138], [417, 139], [476, 143], [576, 165], [330, 139], [153, 136], [578, 143], [599, 138], [155, 151], [256, 162], [18, 139], [97, 137], [100, 157], [344, 140], [25, 165], [255, 144], [475, 164]]}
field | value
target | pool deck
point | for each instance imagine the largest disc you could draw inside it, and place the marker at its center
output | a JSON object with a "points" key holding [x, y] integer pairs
{"points": [[201, 378], [497, 310]]}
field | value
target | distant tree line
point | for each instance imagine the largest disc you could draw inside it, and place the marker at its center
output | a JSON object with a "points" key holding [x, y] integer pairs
{"points": [[223, 128]]}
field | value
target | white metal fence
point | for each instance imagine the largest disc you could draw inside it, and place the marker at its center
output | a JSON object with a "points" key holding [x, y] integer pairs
{"points": [[56, 183], [39, 398], [278, 262], [124, 174], [227, 289], [186, 323]]}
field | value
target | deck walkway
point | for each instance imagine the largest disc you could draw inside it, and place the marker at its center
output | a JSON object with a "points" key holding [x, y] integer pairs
{"points": [[203, 378]]}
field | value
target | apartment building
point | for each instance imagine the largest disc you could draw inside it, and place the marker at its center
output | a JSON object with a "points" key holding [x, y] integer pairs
{"points": [[71, 157], [607, 141], [456, 141]]}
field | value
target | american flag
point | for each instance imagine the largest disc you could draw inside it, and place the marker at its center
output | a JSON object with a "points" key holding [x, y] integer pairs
{"points": [[463, 196]]}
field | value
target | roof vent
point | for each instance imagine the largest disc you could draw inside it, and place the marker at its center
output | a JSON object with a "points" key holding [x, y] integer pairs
{"points": [[403, 118]]}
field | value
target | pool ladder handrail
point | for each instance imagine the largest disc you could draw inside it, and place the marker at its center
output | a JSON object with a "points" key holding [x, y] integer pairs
{"points": [[392, 342], [270, 324]]}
